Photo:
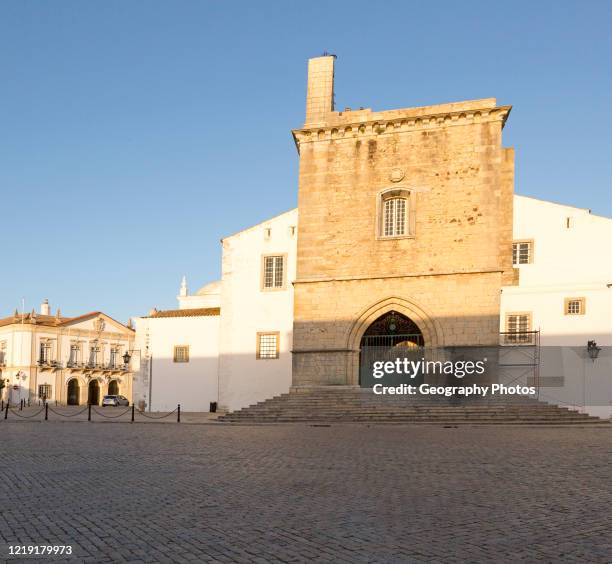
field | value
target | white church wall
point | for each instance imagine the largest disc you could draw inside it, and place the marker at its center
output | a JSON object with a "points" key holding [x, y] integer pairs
{"points": [[246, 310], [569, 261], [569, 250], [164, 383]]}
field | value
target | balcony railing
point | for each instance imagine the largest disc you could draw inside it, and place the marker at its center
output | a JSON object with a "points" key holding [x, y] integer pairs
{"points": [[48, 363], [519, 338], [113, 367]]}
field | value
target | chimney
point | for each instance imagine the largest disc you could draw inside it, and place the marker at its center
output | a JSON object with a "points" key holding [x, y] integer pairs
{"points": [[320, 90], [44, 308]]}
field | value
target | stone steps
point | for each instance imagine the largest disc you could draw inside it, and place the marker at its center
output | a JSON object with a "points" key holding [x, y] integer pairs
{"points": [[321, 405]]}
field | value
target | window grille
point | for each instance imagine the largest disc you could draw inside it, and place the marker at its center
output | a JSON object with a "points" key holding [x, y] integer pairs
{"points": [[519, 328], [274, 270], [574, 306], [394, 217], [267, 345], [181, 353]]}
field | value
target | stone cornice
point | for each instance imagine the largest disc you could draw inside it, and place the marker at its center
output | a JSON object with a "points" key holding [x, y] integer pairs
{"points": [[317, 279], [380, 126]]}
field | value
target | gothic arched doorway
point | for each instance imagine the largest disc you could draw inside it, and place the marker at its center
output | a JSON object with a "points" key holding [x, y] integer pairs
{"points": [[73, 392], [93, 393], [113, 388], [390, 337]]}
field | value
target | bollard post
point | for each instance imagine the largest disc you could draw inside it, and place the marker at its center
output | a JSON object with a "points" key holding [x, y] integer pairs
{"points": [[132, 413], [46, 411], [88, 412], [178, 413], [2, 404], [6, 409], [20, 405], [28, 402]]}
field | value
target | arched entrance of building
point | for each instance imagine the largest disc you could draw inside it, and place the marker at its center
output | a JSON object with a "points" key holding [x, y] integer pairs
{"points": [[93, 393], [73, 392], [390, 337], [113, 388]]}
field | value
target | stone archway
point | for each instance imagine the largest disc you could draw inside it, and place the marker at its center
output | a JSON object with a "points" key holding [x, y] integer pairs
{"points": [[93, 392], [430, 330], [73, 392], [113, 388], [392, 336]]}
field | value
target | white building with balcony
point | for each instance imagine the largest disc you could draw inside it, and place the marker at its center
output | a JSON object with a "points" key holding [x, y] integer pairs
{"points": [[68, 360]]}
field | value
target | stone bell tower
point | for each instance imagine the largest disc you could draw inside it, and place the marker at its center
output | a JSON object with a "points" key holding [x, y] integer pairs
{"points": [[406, 211]]}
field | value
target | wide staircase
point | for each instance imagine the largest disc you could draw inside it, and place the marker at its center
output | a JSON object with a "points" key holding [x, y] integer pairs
{"points": [[350, 404]]}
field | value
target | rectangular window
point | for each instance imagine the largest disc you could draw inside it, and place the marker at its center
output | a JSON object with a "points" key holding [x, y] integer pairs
{"points": [[273, 272], [114, 357], [518, 329], [44, 391], [575, 306], [94, 350], [181, 353], [394, 216], [2, 353], [522, 252], [75, 354], [268, 345], [45, 351]]}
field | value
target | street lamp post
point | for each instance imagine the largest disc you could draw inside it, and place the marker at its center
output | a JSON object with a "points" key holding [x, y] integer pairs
{"points": [[593, 350], [126, 359]]}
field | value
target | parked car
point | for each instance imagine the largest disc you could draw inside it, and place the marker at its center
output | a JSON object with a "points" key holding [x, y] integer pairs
{"points": [[115, 401]]}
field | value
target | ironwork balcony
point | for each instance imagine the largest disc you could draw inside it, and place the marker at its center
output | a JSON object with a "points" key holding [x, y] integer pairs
{"points": [[48, 363], [519, 338]]}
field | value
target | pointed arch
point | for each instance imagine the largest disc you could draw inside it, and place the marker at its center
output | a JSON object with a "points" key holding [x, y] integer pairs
{"points": [[430, 328]]}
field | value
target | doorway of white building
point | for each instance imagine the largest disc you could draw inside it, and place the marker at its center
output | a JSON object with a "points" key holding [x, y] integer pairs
{"points": [[93, 393], [113, 388], [73, 392]]}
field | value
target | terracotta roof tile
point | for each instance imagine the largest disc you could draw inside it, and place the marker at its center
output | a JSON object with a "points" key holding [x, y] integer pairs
{"points": [[194, 312], [39, 319]]}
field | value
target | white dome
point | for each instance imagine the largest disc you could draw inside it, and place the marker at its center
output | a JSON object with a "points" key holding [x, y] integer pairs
{"points": [[210, 288]]}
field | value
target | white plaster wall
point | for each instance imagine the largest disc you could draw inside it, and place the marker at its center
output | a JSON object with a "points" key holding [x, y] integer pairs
{"points": [[567, 263], [195, 301], [18, 355], [192, 384], [247, 310]]}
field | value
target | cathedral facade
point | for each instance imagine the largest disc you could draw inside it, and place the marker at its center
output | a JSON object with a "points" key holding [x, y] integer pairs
{"points": [[407, 234], [406, 211]]}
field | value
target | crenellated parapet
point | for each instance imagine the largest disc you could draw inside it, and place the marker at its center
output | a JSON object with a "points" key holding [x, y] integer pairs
{"points": [[413, 119]]}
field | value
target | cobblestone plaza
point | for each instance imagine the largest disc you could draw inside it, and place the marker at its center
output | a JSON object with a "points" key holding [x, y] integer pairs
{"points": [[300, 493]]}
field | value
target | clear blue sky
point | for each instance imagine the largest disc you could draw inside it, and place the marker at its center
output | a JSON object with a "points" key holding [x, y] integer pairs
{"points": [[135, 134]]}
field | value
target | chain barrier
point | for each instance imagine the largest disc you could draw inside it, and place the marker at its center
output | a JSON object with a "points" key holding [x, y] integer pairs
{"points": [[110, 416], [157, 417], [89, 408], [26, 416], [72, 415]]}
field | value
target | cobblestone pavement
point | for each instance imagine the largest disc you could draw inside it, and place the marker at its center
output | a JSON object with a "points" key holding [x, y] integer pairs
{"points": [[298, 493]]}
